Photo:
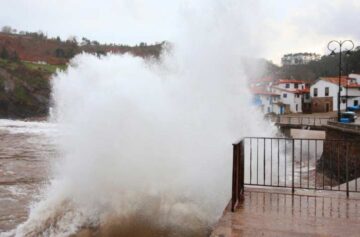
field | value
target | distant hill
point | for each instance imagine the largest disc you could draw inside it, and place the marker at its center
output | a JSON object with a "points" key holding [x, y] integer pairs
{"points": [[327, 66], [27, 60], [36, 47]]}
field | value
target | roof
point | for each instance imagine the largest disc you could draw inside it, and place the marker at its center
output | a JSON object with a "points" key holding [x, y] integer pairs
{"points": [[257, 91], [295, 91], [282, 81], [343, 81]]}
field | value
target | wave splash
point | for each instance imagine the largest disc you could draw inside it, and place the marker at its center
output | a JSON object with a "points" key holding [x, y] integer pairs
{"points": [[146, 144]]}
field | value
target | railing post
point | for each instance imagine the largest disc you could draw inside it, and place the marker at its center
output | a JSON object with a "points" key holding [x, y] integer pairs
{"points": [[234, 179], [347, 168], [293, 168], [241, 173]]}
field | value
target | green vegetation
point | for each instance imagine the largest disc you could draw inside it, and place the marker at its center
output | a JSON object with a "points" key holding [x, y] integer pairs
{"points": [[44, 67], [326, 66], [21, 95]]}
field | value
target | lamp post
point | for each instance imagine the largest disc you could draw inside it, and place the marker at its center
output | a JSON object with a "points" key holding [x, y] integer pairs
{"points": [[347, 79], [341, 46]]}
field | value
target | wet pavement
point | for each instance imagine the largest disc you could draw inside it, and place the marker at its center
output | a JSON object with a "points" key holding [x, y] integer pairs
{"points": [[275, 212]]}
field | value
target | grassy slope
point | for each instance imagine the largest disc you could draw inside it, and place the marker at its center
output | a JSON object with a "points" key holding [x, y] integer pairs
{"points": [[25, 88]]}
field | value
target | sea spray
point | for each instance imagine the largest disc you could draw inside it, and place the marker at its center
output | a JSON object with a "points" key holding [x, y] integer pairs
{"points": [[149, 140]]}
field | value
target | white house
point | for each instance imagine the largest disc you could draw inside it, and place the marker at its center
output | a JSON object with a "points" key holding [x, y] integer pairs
{"points": [[269, 102], [282, 96], [291, 94], [324, 93], [299, 58]]}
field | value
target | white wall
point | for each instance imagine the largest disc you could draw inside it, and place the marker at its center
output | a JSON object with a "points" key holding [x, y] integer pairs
{"points": [[268, 105], [356, 76], [333, 92], [291, 100]]}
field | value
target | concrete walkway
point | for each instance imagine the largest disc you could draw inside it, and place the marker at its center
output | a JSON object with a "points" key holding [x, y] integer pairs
{"points": [[271, 212]]}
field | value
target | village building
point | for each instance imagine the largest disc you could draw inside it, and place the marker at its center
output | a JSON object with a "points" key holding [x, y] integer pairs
{"points": [[299, 58], [268, 102], [293, 94], [324, 93], [281, 96]]}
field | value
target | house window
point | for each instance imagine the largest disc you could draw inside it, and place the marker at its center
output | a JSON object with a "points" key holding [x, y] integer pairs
{"points": [[315, 92], [297, 107], [287, 85], [296, 85], [326, 91], [356, 102], [307, 96], [284, 95]]}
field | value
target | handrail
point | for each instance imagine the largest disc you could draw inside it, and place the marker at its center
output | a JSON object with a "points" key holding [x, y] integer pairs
{"points": [[286, 162]]}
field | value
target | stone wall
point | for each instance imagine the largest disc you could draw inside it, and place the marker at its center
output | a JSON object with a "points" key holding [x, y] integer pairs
{"points": [[341, 152], [321, 104]]}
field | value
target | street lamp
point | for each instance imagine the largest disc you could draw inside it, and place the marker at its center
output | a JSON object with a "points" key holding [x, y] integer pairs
{"points": [[334, 45]]}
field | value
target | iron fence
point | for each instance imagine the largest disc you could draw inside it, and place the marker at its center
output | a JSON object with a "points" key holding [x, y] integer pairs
{"points": [[314, 164]]}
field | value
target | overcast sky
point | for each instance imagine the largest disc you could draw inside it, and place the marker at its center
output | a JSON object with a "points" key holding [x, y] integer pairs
{"points": [[291, 26]]}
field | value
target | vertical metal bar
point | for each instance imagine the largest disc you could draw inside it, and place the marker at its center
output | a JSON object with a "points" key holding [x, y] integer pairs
{"points": [[323, 165], [301, 148], [242, 160], [315, 163], [234, 179], [278, 163], [356, 166], [264, 160], [308, 185], [241, 169], [257, 161], [271, 159], [250, 160], [331, 163], [338, 165], [285, 162], [293, 166], [347, 169]]}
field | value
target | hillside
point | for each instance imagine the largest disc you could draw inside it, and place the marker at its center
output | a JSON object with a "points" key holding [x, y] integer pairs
{"points": [[36, 47], [28, 60], [24, 89], [327, 66]]}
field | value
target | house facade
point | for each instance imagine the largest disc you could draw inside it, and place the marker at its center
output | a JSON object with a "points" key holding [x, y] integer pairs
{"points": [[291, 94], [279, 97], [324, 93], [299, 58], [267, 101]]}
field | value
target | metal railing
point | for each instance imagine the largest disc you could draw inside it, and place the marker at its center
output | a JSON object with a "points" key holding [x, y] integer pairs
{"points": [[305, 121], [314, 164]]}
